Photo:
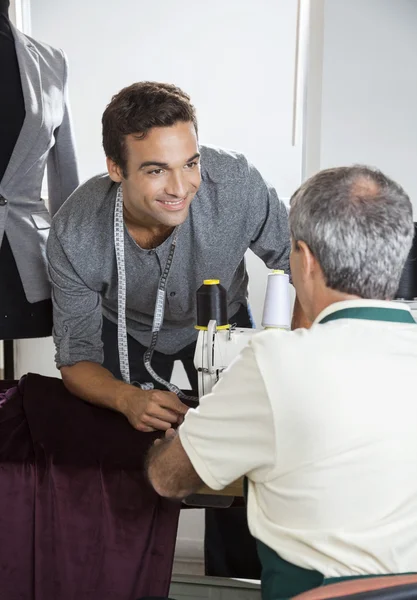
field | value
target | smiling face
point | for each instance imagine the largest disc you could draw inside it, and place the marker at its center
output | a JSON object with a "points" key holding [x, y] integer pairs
{"points": [[162, 175]]}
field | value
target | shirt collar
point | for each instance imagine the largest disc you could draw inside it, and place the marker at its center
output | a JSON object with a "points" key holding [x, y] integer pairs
{"points": [[370, 310]]}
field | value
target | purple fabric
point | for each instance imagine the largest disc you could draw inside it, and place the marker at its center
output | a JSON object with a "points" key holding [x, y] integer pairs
{"points": [[78, 520]]}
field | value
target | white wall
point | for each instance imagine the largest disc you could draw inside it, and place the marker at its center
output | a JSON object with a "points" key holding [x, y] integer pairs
{"points": [[369, 97], [235, 58]]}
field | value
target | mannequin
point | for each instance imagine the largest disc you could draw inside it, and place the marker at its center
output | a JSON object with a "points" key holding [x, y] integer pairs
{"points": [[20, 316]]}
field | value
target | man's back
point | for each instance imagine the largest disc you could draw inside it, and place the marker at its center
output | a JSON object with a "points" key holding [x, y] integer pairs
{"points": [[341, 497]]}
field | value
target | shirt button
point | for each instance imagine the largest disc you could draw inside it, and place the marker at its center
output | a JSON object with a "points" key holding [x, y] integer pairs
{"points": [[3, 201], [151, 252], [172, 294]]}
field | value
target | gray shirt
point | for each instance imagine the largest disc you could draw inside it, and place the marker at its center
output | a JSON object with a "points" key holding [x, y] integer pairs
{"points": [[233, 210]]}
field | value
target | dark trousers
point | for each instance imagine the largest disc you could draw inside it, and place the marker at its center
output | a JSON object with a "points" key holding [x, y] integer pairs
{"points": [[229, 548]]}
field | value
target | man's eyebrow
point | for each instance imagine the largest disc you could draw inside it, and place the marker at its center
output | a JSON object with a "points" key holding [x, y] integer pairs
{"points": [[155, 163], [196, 155]]}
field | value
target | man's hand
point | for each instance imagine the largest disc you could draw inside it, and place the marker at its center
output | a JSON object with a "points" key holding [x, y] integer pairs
{"points": [[169, 436], [169, 469], [153, 410], [145, 410]]}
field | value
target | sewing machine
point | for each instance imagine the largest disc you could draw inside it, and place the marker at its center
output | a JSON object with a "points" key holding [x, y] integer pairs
{"points": [[215, 351], [218, 344]]}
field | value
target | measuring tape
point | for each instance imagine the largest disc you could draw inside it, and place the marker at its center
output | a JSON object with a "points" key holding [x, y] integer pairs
{"points": [[119, 246]]}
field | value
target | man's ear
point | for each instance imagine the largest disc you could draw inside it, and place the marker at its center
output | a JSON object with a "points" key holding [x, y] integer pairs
{"points": [[115, 171], [308, 259]]}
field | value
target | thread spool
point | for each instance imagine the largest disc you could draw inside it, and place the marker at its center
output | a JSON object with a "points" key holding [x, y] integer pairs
{"points": [[277, 311], [212, 305], [407, 289]]}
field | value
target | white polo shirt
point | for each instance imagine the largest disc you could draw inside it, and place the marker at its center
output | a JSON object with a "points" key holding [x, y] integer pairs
{"points": [[324, 424]]}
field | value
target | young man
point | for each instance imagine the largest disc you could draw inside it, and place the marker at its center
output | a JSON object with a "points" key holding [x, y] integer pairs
{"points": [[330, 458], [169, 214]]}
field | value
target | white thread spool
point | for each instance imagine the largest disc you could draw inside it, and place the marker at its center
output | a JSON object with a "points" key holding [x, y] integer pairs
{"points": [[277, 311]]}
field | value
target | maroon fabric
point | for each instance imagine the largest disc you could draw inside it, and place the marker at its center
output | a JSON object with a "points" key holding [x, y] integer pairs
{"points": [[78, 520]]}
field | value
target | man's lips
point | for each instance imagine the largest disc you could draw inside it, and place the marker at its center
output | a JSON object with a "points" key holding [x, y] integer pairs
{"points": [[173, 204]]}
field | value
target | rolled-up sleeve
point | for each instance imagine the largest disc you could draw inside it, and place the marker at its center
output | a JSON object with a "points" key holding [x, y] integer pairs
{"points": [[76, 310], [231, 433]]}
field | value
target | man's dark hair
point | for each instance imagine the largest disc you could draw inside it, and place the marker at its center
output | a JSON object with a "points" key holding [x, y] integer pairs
{"points": [[138, 108]]}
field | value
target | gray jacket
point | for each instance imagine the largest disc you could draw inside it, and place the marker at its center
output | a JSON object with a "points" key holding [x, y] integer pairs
{"points": [[45, 140]]}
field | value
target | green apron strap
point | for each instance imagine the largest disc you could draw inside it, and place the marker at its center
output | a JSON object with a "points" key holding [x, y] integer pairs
{"points": [[371, 313]]}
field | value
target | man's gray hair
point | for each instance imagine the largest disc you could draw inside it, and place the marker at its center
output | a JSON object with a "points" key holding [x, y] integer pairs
{"points": [[358, 223]]}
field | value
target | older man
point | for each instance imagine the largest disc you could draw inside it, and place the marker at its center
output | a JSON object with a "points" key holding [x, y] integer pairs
{"points": [[330, 457]]}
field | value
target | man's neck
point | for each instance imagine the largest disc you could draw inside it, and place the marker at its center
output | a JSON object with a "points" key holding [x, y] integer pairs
{"points": [[145, 235], [327, 298]]}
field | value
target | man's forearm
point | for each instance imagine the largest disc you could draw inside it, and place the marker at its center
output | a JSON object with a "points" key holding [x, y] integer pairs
{"points": [[170, 470], [92, 382]]}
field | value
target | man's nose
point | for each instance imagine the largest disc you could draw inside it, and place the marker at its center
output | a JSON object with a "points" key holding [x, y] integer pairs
{"points": [[177, 185]]}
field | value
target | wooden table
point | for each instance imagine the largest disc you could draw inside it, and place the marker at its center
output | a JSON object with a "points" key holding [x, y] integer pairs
{"points": [[234, 489]]}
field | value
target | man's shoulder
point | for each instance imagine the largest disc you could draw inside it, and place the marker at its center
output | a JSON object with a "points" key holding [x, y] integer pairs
{"points": [[284, 348], [83, 226], [330, 342], [85, 204], [222, 165]]}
